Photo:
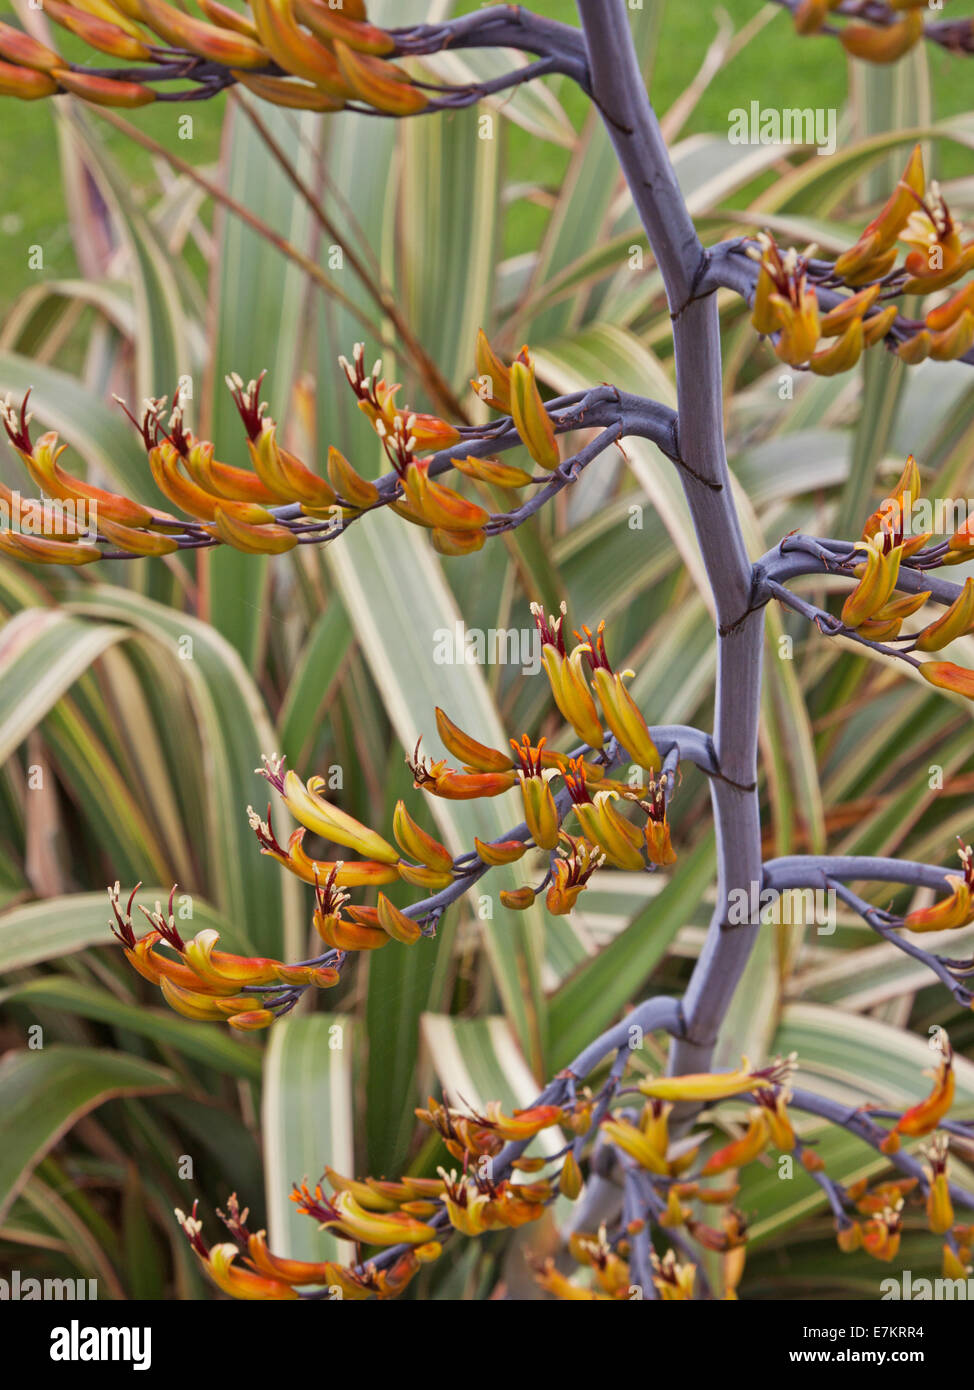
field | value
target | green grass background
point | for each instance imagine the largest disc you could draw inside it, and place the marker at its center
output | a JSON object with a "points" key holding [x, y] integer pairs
{"points": [[778, 69]]}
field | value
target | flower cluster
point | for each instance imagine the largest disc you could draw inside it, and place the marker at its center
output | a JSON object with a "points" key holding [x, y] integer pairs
{"points": [[279, 502], [302, 54], [786, 305], [786, 308], [204, 983], [597, 800], [409, 1217], [875, 615], [499, 1185]]}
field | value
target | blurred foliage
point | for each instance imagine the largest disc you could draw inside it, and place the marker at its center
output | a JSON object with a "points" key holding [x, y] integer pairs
{"points": [[146, 745]]}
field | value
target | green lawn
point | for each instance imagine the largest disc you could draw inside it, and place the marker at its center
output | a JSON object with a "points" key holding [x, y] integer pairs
{"points": [[777, 69]]}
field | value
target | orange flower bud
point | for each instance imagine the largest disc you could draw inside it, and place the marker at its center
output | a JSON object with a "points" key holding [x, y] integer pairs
{"points": [[285, 476], [218, 968], [440, 506], [568, 682], [379, 1228], [202, 1008], [927, 279], [295, 50], [288, 1271], [764, 317], [366, 1193], [950, 912], [719, 1085], [843, 354], [494, 379], [252, 540], [774, 1101], [676, 1214], [624, 717], [849, 1237], [155, 967], [638, 1145], [882, 45], [476, 757], [18, 47], [924, 1117], [811, 15], [242, 1283], [940, 1210], [957, 620], [740, 1151], [531, 420], [462, 786], [421, 877], [429, 432], [876, 586], [99, 33], [947, 314], [947, 676], [798, 324], [891, 516], [46, 552], [457, 542], [517, 899], [876, 327], [378, 83], [219, 45], [955, 341], [136, 542], [620, 840], [43, 466], [287, 92], [396, 924], [349, 484], [903, 607], [320, 816], [837, 320], [570, 1179], [251, 1020], [659, 850], [193, 498], [330, 24], [540, 811], [493, 471], [349, 936], [501, 851], [570, 873], [523, 1124], [226, 18], [916, 349], [355, 873], [418, 843], [26, 83], [881, 1236]]}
